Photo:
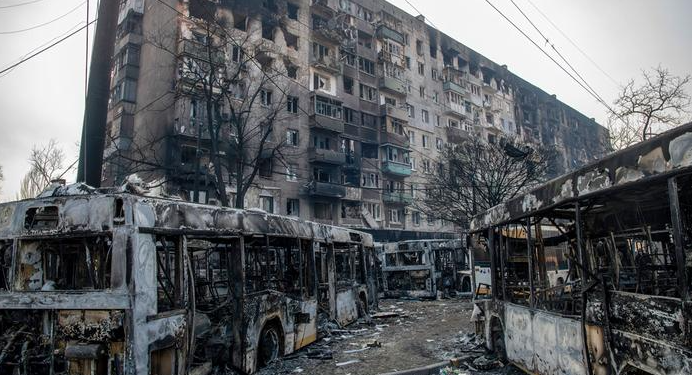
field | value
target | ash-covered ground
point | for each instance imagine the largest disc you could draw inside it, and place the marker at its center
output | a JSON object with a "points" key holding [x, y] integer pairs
{"points": [[404, 334]]}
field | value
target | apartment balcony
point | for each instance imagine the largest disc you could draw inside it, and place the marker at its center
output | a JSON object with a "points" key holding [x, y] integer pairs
{"points": [[394, 111], [326, 63], [353, 162], [393, 58], [354, 194], [385, 32], [489, 88], [455, 109], [394, 139], [457, 135], [395, 168], [201, 51], [326, 189], [326, 123], [322, 6], [318, 155], [451, 86], [397, 197], [393, 85]]}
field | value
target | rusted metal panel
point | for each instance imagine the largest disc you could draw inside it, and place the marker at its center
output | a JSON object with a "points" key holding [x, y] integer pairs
{"points": [[543, 343], [102, 300], [657, 157]]}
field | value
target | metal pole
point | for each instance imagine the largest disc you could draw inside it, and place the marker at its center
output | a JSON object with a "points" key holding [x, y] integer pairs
{"points": [[676, 221], [96, 106], [529, 249]]}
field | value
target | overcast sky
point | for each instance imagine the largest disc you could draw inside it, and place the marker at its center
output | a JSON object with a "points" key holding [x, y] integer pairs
{"points": [[44, 97]]}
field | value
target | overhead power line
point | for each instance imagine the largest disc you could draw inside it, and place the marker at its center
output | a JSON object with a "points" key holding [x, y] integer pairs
{"points": [[20, 4], [547, 41], [595, 96], [574, 44], [43, 24], [46, 48], [421, 13]]}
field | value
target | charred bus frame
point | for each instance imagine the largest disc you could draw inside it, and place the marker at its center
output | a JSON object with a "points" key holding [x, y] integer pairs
{"points": [[421, 268], [625, 225], [114, 283]]}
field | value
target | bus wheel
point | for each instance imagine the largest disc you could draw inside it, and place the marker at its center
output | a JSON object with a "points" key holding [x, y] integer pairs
{"points": [[362, 306], [498, 340], [269, 345]]}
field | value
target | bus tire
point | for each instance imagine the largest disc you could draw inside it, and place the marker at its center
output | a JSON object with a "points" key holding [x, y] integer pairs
{"points": [[497, 338], [269, 348], [362, 305]]}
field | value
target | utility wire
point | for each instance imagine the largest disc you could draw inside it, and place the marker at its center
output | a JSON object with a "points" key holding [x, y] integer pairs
{"points": [[421, 13], [574, 44], [551, 58], [547, 41], [20, 4], [46, 48], [45, 23]]}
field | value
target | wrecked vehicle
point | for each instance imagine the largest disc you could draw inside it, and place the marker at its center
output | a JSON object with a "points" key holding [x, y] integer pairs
{"points": [[624, 225], [422, 268], [114, 283]]}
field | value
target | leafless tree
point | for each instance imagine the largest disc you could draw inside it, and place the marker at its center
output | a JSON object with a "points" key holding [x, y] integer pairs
{"points": [[235, 90], [2, 178], [644, 109], [474, 176], [46, 164]]}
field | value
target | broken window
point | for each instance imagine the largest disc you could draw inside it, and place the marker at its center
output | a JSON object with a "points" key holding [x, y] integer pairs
{"points": [[291, 41], [5, 264], [65, 264], [211, 263], [267, 31], [292, 11], [277, 263], [168, 277]]}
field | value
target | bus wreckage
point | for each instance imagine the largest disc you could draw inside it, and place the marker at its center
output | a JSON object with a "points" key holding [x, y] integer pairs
{"points": [[624, 226], [105, 282]]}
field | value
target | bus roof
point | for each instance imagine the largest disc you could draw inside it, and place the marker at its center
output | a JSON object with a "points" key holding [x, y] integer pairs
{"points": [[667, 154], [84, 209]]}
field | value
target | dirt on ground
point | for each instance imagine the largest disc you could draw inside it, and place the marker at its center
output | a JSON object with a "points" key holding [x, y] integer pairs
{"points": [[404, 334]]}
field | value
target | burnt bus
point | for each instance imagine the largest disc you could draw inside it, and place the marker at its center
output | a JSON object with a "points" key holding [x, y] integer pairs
{"points": [[622, 229], [98, 282], [421, 268]]}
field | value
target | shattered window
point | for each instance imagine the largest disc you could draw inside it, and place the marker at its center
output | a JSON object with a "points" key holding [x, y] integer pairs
{"points": [[65, 264], [344, 264], [211, 263], [5, 264], [168, 278]]}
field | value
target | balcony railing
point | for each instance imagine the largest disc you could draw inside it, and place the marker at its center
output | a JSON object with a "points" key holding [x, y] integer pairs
{"points": [[455, 109], [397, 197], [318, 155], [327, 123], [326, 189], [451, 86], [385, 32], [395, 168], [394, 111], [457, 135], [394, 139], [393, 85], [327, 63]]}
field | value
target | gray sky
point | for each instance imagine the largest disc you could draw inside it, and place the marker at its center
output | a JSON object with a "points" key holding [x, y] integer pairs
{"points": [[44, 98]]}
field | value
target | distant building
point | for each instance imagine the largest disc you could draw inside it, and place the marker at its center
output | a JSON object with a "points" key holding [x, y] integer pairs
{"points": [[376, 94]]}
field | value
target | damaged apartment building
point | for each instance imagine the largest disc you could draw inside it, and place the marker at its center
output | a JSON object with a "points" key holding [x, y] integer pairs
{"points": [[369, 96]]}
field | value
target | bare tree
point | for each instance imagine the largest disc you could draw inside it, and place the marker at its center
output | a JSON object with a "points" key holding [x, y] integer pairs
{"points": [[2, 178], [644, 109], [46, 164], [474, 176]]}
